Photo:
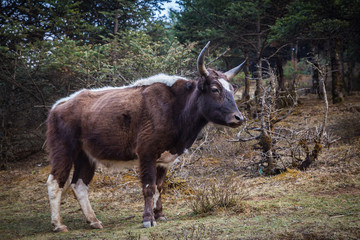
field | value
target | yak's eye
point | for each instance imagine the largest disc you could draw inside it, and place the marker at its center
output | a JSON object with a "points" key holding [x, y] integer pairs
{"points": [[215, 90]]}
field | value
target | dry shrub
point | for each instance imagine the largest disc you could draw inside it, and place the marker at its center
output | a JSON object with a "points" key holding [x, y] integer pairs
{"points": [[214, 195], [175, 182]]}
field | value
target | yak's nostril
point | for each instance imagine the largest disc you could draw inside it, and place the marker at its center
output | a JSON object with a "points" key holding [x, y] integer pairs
{"points": [[237, 117]]}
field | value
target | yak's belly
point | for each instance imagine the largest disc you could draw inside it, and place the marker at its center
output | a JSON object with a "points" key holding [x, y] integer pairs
{"points": [[166, 159], [119, 164]]}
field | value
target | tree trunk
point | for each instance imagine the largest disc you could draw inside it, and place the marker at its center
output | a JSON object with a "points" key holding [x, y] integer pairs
{"points": [[348, 76], [315, 67], [246, 95], [294, 61], [327, 67], [259, 81], [116, 22], [337, 83], [341, 65], [315, 79], [296, 55], [280, 73], [266, 145]]}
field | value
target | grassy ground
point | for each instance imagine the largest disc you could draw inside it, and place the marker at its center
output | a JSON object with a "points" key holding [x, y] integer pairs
{"points": [[321, 203]]}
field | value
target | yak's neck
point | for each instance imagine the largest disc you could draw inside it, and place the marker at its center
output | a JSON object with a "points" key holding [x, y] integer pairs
{"points": [[190, 120]]}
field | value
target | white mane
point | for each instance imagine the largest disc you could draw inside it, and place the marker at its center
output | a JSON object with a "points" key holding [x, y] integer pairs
{"points": [[159, 78]]}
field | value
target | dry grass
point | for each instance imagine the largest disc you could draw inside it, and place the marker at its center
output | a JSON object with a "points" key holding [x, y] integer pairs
{"points": [[219, 181]]}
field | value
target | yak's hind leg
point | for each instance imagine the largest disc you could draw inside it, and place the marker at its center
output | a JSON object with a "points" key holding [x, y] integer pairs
{"points": [[61, 164], [55, 191], [83, 173], [62, 142]]}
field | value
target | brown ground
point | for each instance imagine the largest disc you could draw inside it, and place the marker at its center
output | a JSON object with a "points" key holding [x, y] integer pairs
{"points": [[321, 203]]}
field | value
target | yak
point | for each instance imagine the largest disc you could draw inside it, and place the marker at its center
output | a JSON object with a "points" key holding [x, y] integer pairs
{"points": [[152, 122]]}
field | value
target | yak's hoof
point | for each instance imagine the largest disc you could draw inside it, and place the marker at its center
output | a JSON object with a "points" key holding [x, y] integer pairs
{"points": [[61, 228], [160, 217], [148, 224], [97, 225]]}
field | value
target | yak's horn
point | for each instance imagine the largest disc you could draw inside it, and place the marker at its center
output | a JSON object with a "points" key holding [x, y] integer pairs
{"points": [[232, 73], [200, 62]]}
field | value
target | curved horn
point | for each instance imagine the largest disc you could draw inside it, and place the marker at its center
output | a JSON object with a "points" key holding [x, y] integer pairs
{"points": [[231, 73], [200, 62]]}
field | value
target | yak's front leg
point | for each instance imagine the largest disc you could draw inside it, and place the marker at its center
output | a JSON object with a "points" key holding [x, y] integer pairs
{"points": [[160, 178], [148, 180], [163, 164]]}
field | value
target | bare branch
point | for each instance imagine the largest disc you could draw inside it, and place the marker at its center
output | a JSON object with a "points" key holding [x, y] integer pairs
{"points": [[228, 49], [321, 135], [245, 139], [287, 44]]}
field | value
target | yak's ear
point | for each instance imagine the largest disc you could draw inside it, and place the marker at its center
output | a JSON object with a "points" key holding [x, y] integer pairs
{"points": [[235, 87]]}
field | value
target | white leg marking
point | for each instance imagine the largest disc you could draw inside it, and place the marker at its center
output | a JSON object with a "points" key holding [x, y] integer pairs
{"points": [[54, 192], [156, 197], [81, 192]]}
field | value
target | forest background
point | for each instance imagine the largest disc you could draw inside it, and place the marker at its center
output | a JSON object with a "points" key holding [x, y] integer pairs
{"points": [[49, 49]]}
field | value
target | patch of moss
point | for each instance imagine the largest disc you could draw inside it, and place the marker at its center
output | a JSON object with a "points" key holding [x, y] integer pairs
{"points": [[288, 174]]}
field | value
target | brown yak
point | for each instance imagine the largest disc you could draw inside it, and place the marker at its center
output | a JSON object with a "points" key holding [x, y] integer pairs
{"points": [[152, 121]]}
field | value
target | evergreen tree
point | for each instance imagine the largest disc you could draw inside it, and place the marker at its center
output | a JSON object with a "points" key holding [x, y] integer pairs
{"points": [[330, 23], [29, 21]]}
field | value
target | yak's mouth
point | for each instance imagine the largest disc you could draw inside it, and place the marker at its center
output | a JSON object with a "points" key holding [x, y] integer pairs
{"points": [[234, 120], [234, 125]]}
